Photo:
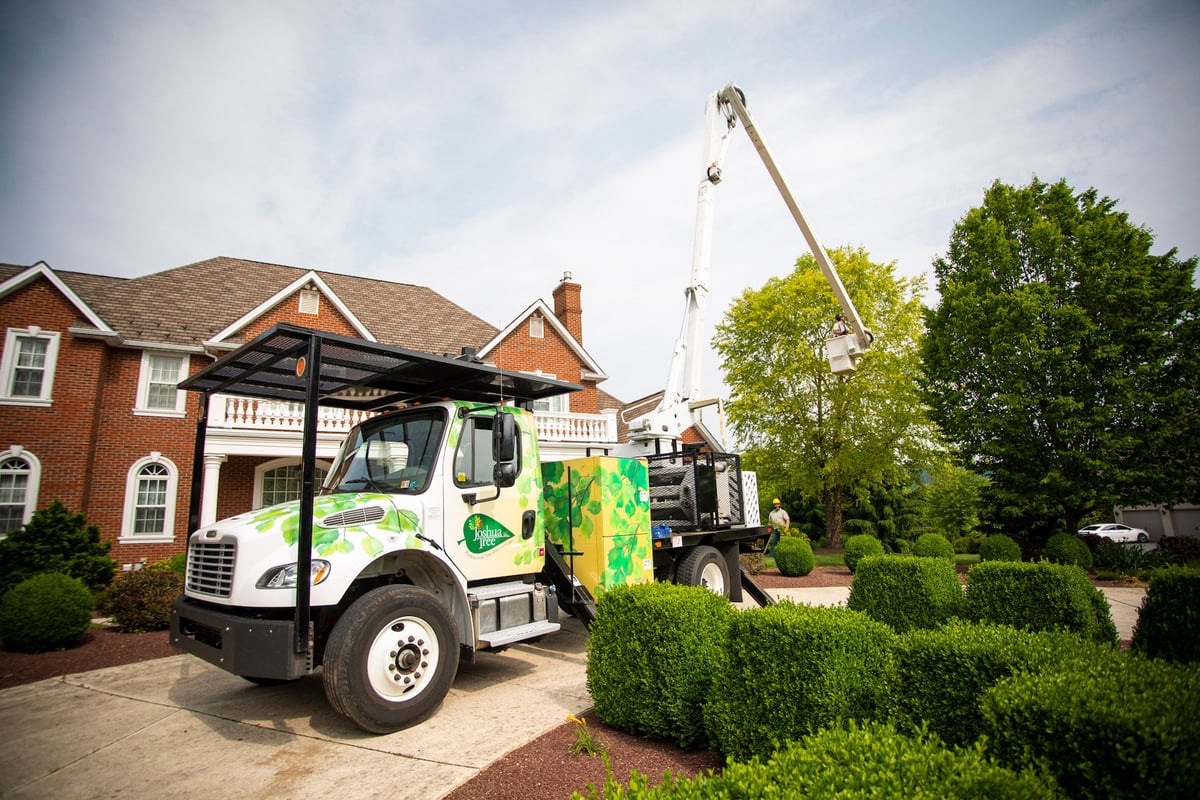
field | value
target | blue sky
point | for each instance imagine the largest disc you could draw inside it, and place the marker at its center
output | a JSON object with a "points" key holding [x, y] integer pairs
{"points": [[483, 148]]}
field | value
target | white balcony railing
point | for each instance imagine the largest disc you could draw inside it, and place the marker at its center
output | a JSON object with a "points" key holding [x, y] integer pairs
{"points": [[246, 414]]}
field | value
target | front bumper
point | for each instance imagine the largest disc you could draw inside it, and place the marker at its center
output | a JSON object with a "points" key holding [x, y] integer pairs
{"points": [[255, 648]]}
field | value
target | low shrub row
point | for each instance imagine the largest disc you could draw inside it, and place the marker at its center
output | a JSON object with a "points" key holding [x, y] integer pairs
{"points": [[1168, 623], [1038, 597], [906, 592]]}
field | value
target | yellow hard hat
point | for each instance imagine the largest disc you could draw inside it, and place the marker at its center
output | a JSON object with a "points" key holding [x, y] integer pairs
{"points": [[775, 501]]}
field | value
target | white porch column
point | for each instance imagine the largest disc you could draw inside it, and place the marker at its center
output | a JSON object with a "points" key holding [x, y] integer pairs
{"points": [[212, 479]]}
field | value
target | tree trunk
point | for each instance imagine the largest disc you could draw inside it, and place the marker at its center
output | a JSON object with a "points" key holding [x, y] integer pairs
{"points": [[833, 516]]}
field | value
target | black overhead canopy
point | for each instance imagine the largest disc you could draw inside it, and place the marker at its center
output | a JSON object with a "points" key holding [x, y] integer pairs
{"points": [[355, 373]]}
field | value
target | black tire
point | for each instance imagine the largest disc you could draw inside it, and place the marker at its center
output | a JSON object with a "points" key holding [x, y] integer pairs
{"points": [[1143, 537], [704, 566], [391, 658]]}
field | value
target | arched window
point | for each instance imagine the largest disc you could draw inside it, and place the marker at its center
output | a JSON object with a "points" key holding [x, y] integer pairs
{"points": [[150, 490], [20, 475], [278, 481]]}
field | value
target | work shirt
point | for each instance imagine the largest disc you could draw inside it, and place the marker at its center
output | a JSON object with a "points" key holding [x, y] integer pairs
{"points": [[779, 518]]}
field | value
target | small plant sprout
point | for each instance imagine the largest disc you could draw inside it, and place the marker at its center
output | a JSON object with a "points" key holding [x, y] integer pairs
{"points": [[585, 741]]}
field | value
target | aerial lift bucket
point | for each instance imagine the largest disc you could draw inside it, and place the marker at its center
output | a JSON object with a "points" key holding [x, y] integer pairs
{"points": [[841, 351]]}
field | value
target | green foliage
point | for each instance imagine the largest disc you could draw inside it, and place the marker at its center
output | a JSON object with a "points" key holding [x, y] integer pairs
{"points": [[50, 611], [176, 563], [1125, 558], [1104, 727], [792, 670], [794, 556], [942, 674], [933, 545], [805, 428], [652, 656], [56, 540], [902, 547], [1039, 597], [968, 544], [999, 547], [1184, 550], [859, 547], [1168, 623], [949, 502], [1067, 405], [141, 600], [906, 592], [1067, 548], [848, 761]]}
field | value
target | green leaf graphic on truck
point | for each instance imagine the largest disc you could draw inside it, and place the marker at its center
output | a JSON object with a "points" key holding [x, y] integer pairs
{"points": [[285, 521]]}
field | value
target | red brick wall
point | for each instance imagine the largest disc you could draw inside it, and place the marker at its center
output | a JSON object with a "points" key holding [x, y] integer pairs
{"points": [[328, 318], [550, 354]]}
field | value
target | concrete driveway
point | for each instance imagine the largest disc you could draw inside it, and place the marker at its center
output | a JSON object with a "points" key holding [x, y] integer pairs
{"points": [[179, 727]]}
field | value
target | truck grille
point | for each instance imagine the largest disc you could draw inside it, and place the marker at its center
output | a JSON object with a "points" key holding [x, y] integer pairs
{"points": [[210, 568]]}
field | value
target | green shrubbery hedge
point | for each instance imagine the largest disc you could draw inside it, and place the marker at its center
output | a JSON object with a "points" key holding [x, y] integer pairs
{"points": [[856, 548], [1038, 597], [653, 656], [1105, 727], [1067, 548], [848, 761], [933, 545], [141, 600], [942, 674], [56, 540], [794, 556], [999, 547], [906, 592], [792, 670], [46, 612], [1168, 623]]}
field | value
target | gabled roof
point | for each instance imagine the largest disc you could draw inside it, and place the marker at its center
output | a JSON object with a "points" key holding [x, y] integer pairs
{"points": [[591, 370], [206, 301], [13, 278]]}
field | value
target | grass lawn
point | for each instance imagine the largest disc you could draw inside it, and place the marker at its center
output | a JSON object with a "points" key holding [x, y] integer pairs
{"points": [[839, 559]]}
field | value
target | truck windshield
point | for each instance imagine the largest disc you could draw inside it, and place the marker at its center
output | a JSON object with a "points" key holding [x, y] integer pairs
{"points": [[394, 453]]}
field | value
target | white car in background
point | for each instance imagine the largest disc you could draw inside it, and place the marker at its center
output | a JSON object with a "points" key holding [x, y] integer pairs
{"points": [[1115, 532]]}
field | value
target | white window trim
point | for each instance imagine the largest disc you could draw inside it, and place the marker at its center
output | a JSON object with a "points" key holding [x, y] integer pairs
{"points": [[537, 327], [262, 469], [131, 492], [33, 485], [140, 408], [8, 363], [556, 399]]}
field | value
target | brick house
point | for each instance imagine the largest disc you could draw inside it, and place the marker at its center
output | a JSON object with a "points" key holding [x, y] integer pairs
{"points": [[89, 412]]}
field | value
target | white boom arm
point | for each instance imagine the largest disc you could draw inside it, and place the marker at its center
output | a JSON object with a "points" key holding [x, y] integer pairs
{"points": [[674, 413]]}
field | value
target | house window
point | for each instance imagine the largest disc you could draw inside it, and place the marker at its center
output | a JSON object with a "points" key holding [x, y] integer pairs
{"points": [[30, 355], [20, 474], [156, 388], [150, 490], [279, 481], [537, 327], [558, 404]]}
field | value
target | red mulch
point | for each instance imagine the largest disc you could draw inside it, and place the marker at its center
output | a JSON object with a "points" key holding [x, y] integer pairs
{"points": [[99, 648]]}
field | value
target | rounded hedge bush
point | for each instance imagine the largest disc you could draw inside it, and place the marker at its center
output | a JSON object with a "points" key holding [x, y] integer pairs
{"points": [[794, 556], [791, 670], [1168, 624], [1039, 597], [1067, 548], [999, 548], [906, 592], [858, 547], [933, 545], [652, 656], [50, 611], [141, 601]]}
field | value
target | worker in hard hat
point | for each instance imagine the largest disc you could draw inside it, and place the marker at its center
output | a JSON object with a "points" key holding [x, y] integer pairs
{"points": [[780, 521]]}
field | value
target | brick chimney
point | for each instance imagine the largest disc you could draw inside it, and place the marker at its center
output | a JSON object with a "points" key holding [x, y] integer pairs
{"points": [[568, 307]]}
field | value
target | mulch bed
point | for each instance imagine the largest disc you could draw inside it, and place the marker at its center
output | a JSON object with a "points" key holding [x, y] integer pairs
{"points": [[99, 648]]}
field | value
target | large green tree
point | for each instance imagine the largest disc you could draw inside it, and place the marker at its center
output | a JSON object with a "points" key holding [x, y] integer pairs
{"points": [[1062, 358], [802, 426]]}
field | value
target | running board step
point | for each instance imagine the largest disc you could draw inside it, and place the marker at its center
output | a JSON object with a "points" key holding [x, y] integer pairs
{"points": [[522, 633]]}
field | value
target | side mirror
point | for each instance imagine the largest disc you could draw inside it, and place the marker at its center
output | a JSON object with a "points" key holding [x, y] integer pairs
{"points": [[504, 474], [504, 439]]}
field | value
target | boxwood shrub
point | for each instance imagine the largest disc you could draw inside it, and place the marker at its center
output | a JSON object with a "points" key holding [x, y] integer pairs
{"points": [[1168, 624], [848, 761], [794, 556], [1067, 548], [141, 601], [906, 592], [1038, 597], [999, 547], [933, 545], [941, 675], [792, 670], [652, 657], [50, 611], [1113, 727], [857, 547]]}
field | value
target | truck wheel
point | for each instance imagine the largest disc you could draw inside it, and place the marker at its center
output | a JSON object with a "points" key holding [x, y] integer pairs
{"points": [[704, 566], [391, 658]]}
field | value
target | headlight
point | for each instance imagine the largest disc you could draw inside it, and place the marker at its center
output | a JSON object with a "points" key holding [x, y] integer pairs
{"points": [[284, 577]]}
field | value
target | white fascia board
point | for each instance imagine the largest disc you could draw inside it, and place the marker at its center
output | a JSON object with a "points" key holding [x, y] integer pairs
{"points": [[590, 367], [278, 297], [163, 346], [43, 270]]}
